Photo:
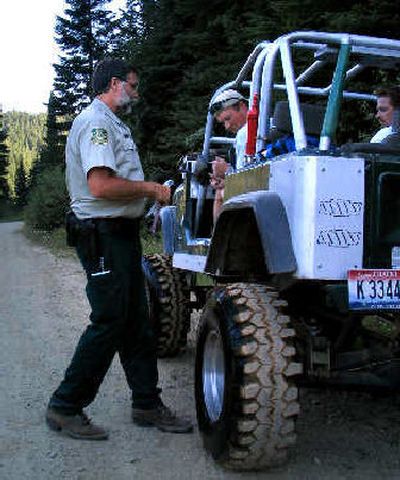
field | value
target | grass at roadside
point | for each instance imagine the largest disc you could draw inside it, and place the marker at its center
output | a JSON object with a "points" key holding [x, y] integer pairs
{"points": [[151, 243], [10, 212], [53, 240]]}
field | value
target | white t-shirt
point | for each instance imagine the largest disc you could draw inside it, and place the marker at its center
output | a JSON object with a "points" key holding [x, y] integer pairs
{"points": [[381, 135], [240, 146]]}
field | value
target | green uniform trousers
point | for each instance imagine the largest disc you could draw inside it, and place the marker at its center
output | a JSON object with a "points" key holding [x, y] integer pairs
{"points": [[119, 321]]}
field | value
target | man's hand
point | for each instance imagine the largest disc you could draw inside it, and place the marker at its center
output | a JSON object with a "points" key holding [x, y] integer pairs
{"points": [[162, 194], [217, 183], [219, 167]]}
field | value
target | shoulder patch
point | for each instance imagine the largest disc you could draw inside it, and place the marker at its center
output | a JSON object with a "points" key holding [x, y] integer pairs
{"points": [[99, 136]]}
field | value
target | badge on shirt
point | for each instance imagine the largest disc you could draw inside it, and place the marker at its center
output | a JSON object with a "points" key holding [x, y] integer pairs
{"points": [[99, 136]]}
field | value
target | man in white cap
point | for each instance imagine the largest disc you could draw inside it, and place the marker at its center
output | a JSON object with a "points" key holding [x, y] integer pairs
{"points": [[230, 109]]}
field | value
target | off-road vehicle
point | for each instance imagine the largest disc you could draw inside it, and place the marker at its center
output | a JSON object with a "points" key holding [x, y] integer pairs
{"points": [[299, 278]]}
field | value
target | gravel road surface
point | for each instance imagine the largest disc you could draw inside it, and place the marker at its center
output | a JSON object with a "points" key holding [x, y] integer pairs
{"points": [[43, 311]]}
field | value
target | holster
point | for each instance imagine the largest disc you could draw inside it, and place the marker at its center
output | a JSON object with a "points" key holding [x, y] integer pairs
{"points": [[82, 232]]}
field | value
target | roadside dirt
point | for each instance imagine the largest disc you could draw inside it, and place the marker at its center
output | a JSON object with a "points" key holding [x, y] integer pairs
{"points": [[43, 310]]}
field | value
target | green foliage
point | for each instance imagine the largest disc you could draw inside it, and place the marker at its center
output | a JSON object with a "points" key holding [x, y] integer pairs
{"points": [[3, 158], [184, 50], [25, 138], [150, 243], [54, 240], [130, 29], [48, 201], [378, 18], [21, 186], [84, 34], [9, 212], [52, 151]]}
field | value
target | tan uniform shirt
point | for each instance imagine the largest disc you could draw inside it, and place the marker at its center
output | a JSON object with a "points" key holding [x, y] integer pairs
{"points": [[98, 138]]}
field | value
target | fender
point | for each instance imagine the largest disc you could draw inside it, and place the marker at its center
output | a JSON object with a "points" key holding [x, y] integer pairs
{"points": [[251, 237]]}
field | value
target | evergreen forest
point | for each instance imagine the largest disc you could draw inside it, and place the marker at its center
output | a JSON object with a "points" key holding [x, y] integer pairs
{"points": [[21, 141], [183, 50]]}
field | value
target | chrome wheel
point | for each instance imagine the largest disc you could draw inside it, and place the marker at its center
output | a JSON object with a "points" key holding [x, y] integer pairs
{"points": [[213, 375], [246, 396]]}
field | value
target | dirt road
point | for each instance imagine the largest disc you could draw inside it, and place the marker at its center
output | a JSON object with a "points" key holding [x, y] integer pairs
{"points": [[43, 310]]}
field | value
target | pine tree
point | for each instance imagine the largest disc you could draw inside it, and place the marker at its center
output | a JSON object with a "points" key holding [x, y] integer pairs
{"points": [[187, 49], [21, 187], [52, 152], [160, 71], [85, 34], [25, 137], [378, 18], [3, 158], [184, 49], [130, 29]]}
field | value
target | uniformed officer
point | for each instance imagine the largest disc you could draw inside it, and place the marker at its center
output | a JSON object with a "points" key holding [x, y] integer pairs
{"points": [[107, 190]]}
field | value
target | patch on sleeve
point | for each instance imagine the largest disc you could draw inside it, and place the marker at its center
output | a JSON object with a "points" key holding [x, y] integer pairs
{"points": [[99, 136]]}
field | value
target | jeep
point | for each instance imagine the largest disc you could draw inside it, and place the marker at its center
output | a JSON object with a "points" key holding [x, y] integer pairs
{"points": [[299, 278]]}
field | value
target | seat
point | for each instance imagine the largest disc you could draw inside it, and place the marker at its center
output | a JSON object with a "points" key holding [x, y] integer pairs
{"points": [[392, 141], [313, 118], [370, 148]]}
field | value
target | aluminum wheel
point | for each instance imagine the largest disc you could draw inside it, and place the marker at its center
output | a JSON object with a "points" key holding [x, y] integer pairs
{"points": [[214, 375], [246, 396]]}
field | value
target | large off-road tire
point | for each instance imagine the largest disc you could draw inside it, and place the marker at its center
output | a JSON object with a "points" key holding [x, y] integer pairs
{"points": [[246, 399], [168, 299]]}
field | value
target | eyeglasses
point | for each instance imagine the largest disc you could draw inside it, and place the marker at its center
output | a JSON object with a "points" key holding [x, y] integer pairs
{"points": [[134, 86]]}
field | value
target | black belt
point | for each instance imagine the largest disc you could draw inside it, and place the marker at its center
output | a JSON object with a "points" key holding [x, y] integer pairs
{"points": [[117, 224]]}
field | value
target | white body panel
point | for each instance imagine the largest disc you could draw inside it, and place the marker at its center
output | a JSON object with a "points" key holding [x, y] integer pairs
{"points": [[324, 201], [187, 261]]}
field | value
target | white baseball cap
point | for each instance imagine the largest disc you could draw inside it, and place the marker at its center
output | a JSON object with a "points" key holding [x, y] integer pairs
{"points": [[225, 99]]}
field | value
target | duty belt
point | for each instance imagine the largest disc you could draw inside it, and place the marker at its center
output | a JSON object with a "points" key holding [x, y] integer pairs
{"points": [[117, 224]]}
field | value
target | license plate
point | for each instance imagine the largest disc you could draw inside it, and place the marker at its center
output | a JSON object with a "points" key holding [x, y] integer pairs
{"points": [[373, 289]]}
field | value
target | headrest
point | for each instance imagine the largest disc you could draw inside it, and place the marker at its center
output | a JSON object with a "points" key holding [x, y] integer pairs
{"points": [[313, 118]]}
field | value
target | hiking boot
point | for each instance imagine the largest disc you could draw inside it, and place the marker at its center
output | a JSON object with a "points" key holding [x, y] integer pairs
{"points": [[163, 418], [76, 426]]}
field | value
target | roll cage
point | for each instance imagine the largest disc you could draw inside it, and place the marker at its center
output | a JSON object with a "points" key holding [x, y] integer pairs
{"points": [[305, 69], [345, 55]]}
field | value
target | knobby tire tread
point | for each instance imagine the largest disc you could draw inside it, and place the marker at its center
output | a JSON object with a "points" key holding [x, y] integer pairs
{"points": [[173, 321], [264, 428]]}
